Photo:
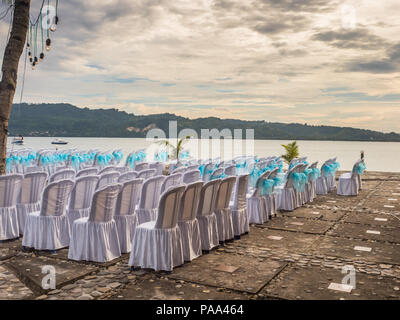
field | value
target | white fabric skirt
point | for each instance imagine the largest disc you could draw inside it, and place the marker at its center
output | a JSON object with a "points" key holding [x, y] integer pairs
{"points": [[256, 209], [321, 185], [24, 209], [208, 231], [146, 215], [126, 225], [191, 242], [9, 227], [75, 214], [240, 221], [348, 185], [225, 224], [157, 249], [94, 241], [288, 199], [331, 182], [270, 205], [46, 232]]}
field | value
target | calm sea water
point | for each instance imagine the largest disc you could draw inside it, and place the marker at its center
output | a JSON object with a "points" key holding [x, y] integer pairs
{"points": [[379, 156]]}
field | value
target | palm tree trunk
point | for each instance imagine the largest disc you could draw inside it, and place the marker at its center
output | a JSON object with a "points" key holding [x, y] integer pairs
{"points": [[8, 84]]}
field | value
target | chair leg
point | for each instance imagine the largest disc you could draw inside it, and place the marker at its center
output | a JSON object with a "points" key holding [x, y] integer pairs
{"points": [[237, 237]]}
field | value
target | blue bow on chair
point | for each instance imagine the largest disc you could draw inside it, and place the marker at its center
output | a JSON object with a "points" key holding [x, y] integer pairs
{"points": [[267, 187], [314, 174], [299, 181], [361, 168]]}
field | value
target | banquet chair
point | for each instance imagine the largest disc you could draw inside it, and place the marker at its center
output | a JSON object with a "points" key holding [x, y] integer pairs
{"points": [[187, 222], [230, 170], [256, 207], [322, 182], [157, 244], [287, 198], [107, 170], [49, 229], [68, 174], [107, 178], [121, 170], [331, 179], [150, 195], [349, 182], [208, 169], [223, 211], [179, 170], [127, 176], [10, 189], [217, 174], [158, 166], [238, 207], [145, 174], [81, 198], [31, 191], [192, 167], [141, 166], [125, 216], [191, 176], [32, 169], [300, 194], [171, 180], [206, 215], [95, 238], [86, 172], [311, 186], [270, 201]]}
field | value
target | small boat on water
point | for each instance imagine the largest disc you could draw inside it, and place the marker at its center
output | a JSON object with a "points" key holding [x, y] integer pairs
{"points": [[18, 141], [59, 141]]}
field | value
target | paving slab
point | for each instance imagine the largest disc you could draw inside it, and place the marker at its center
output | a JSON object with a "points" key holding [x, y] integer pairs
{"points": [[29, 269], [63, 255], [308, 213], [382, 220], [312, 283], [9, 248], [345, 248], [383, 204], [271, 240], [11, 288], [153, 288], [298, 224], [250, 276], [365, 232]]}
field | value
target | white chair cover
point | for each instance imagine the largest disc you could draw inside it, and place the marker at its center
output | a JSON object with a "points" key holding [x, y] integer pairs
{"points": [[239, 208], [287, 198], [179, 170], [311, 187], [32, 169], [107, 170], [172, 180], [125, 216], [145, 174], [207, 171], [49, 229], [191, 176], [127, 176], [66, 174], [222, 209], [206, 215], [148, 205], [230, 170], [87, 172], [141, 166], [95, 238], [187, 222], [349, 182], [270, 199], [10, 188], [121, 170], [107, 178], [160, 167], [81, 198], [256, 207], [322, 182], [157, 244], [31, 191]]}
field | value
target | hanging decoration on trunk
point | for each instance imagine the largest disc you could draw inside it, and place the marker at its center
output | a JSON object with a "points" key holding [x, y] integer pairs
{"points": [[39, 42]]}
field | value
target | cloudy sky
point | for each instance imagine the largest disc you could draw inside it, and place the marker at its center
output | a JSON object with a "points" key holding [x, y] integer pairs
{"points": [[327, 62]]}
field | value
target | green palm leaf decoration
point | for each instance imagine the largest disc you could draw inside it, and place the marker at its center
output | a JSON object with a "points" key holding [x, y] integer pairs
{"points": [[292, 151]]}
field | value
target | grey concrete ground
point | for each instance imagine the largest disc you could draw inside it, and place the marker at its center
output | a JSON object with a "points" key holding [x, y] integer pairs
{"points": [[297, 255]]}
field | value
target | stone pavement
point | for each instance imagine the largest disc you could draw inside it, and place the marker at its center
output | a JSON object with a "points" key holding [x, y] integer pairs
{"points": [[296, 255]]}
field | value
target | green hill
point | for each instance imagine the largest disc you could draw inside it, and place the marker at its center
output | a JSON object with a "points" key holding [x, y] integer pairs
{"points": [[65, 120]]}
